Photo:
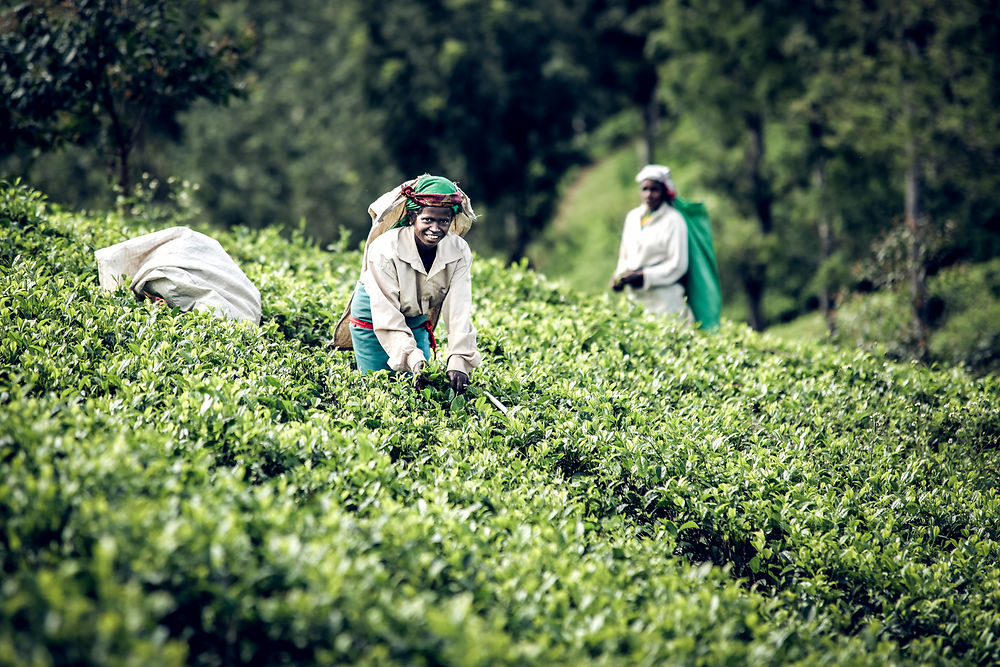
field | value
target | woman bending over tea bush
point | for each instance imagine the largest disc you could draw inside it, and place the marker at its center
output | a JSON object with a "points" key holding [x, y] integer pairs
{"points": [[416, 269]]}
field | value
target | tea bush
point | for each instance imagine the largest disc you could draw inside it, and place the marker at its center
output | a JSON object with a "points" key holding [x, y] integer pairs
{"points": [[965, 300], [181, 489]]}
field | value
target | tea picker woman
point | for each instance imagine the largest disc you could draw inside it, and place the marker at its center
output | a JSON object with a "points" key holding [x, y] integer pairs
{"points": [[653, 255], [415, 270]]}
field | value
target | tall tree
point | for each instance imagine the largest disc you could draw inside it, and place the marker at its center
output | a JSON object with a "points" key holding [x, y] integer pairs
{"points": [[918, 82], [728, 70], [625, 36], [99, 72], [815, 41], [306, 145], [495, 94]]}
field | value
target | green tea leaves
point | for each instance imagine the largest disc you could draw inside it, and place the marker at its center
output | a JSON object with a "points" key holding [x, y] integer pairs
{"points": [[611, 488]]}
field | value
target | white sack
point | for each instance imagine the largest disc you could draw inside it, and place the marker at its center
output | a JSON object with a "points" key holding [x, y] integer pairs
{"points": [[187, 268]]}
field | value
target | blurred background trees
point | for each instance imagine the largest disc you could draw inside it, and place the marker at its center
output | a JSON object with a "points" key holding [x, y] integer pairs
{"points": [[842, 148], [104, 74]]}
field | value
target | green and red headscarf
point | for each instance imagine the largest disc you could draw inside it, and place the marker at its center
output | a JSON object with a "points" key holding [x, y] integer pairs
{"points": [[432, 191], [389, 211]]}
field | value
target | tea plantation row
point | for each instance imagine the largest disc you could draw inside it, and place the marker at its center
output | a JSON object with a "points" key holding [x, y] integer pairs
{"points": [[180, 489]]}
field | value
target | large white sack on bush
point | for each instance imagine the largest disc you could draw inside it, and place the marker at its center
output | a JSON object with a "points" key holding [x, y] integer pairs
{"points": [[187, 268]]}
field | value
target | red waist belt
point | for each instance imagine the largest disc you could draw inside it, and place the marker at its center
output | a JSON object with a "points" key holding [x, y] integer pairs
{"points": [[426, 325]]}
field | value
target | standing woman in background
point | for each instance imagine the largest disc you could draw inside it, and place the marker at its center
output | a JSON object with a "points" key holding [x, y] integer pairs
{"points": [[653, 256], [416, 268]]}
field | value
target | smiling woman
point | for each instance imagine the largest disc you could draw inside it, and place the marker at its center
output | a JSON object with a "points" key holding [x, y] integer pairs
{"points": [[430, 226], [416, 268]]}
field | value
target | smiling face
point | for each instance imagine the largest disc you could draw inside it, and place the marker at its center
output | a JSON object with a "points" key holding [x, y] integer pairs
{"points": [[431, 225], [652, 193]]}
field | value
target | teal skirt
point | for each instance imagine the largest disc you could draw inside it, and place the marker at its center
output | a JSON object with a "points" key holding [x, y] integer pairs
{"points": [[368, 352]]}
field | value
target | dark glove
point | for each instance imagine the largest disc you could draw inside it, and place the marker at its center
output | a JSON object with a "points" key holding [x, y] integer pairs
{"points": [[634, 279], [617, 284], [420, 379], [458, 381]]}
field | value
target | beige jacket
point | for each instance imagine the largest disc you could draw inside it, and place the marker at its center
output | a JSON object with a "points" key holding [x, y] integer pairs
{"points": [[399, 287], [660, 249]]}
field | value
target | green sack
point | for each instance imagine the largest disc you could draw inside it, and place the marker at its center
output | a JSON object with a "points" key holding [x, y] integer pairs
{"points": [[701, 282]]}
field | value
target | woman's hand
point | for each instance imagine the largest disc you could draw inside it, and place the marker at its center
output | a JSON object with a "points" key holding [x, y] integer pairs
{"points": [[458, 381], [633, 278], [420, 379]]}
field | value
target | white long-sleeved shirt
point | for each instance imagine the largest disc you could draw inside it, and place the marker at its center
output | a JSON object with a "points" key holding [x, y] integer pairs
{"points": [[660, 249], [399, 286]]}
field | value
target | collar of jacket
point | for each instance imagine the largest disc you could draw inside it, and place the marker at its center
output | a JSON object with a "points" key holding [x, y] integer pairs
{"points": [[447, 251], [656, 215]]}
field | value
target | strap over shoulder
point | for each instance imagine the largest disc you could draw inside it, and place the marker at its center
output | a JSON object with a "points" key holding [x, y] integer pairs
{"points": [[386, 212]]}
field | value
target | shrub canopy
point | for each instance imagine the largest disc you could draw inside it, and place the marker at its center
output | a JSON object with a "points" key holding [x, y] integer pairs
{"points": [[181, 489]]}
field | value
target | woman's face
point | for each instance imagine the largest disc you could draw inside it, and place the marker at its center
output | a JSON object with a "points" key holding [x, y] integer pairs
{"points": [[431, 225], [653, 193]]}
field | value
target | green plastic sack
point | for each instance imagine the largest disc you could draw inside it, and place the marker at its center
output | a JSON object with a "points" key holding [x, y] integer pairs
{"points": [[701, 282]]}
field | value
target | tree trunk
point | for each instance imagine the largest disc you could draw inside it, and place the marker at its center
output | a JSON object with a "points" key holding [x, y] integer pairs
{"points": [[520, 237], [916, 268], [754, 281], [120, 137], [911, 208], [753, 285], [124, 182], [826, 296], [760, 188], [651, 126]]}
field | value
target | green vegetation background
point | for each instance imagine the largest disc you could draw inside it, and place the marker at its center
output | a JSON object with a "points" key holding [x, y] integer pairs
{"points": [[793, 121], [580, 248], [180, 489]]}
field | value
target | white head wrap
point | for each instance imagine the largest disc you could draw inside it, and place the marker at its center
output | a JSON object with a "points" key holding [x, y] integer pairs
{"points": [[658, 173]]}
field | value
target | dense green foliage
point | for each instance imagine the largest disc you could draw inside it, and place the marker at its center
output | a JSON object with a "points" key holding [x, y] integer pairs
{"points": [[796, 122], [966, 301], [348, 99], [176, 488]]}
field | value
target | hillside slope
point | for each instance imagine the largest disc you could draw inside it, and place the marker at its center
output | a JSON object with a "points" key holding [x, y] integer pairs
{"points": [[179, 489]]}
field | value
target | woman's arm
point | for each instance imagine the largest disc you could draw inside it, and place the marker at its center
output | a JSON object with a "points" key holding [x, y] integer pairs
{"points": [[456, 311], [382, 284]]}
